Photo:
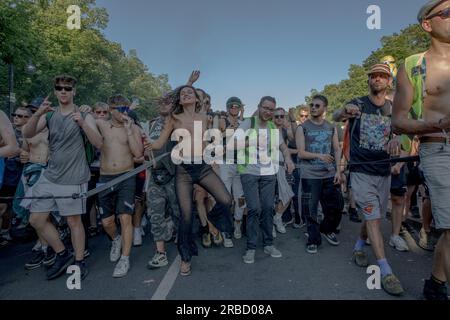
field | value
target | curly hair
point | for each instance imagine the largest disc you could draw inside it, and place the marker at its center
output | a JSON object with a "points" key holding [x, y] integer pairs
{"points": [[177, 108]]}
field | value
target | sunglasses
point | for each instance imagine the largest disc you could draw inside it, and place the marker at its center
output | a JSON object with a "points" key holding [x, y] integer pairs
{"points": [[303, 116], [20, 116], [101, 112], [443, 14], [61, 88], [235, 106], [312, 105], [122, 109], [279, 116]]}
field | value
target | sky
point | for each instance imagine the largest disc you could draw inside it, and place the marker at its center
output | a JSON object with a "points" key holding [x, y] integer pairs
{"points": [[254, 48]]}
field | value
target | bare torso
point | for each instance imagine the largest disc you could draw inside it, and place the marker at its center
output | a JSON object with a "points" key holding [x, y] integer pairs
{"points": [[437, 101], [187, 122], [116, 156], [39, 148]]}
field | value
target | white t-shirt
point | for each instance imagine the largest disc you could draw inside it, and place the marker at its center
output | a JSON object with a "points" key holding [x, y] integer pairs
{"points": [[267, 168]]}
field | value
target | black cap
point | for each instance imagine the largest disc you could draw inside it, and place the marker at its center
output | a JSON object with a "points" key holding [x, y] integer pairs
{"points": [[35, 103]]}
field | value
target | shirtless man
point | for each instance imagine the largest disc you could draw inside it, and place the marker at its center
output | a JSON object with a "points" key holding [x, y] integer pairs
{"points": [[67, 172], [121, 144], [423, 90], [8, 142]]}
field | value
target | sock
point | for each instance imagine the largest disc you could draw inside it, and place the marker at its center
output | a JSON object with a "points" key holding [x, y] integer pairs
{"points": [[437, 281], [164, 253], [117, 237], [63, 253], [359, 244], [385, 267], [122, 257], [78, 262], [44, 248]]}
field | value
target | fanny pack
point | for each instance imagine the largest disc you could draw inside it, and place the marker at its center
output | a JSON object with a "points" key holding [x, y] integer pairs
{"points": [[161, 176]]}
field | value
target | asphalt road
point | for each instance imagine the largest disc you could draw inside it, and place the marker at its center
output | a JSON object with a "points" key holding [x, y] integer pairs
{"points": [[219, 273]]}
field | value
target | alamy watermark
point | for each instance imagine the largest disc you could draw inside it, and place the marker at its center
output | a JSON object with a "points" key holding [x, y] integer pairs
{"points": [[374, 20], [374, 280], [74, 20], [74, 280]]}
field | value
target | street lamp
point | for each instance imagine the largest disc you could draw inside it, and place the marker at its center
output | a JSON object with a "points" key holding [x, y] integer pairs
{"points": [[30, 69]]}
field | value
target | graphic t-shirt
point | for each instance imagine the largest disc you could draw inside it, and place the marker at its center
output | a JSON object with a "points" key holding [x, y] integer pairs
{"points": [[318, 139], [370, 135]]}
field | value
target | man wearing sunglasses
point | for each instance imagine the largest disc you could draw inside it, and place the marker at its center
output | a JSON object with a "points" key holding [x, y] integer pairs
{"points": [[122, 143], [320, 154], [422, 107], [371, 144], [67, 172]]}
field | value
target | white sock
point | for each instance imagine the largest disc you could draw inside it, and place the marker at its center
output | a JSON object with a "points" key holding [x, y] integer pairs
{"points": [[117, 237], [44, 248], [278, 215], [122, 257]]}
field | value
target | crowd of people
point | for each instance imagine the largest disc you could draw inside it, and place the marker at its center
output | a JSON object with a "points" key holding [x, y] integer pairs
{"points": [[307, 170]]}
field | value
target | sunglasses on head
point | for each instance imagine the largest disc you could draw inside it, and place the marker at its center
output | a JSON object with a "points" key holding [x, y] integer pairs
{"points": [[122, 109], [279, 116], [20, 116], [61, 88], [101, 112], [314, 105], [443, 14]]}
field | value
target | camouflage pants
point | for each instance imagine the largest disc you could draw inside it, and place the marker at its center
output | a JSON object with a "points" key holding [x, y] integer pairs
{"points": [[162, 209]]}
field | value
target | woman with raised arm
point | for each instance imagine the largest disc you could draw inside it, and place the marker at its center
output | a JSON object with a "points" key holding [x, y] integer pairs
{"points": [[190, 169]]}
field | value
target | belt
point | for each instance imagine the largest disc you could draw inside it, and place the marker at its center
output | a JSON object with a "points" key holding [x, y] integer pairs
{"points": [[434, 139]]}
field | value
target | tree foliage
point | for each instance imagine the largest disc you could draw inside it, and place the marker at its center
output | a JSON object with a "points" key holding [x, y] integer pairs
{"points": [[409, 41], [37, 32]]}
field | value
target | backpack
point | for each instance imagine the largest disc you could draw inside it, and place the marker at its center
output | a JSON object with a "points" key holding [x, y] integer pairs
{"points": [[89, 149]]}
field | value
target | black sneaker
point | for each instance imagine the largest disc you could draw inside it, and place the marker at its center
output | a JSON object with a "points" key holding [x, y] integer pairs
{"points": [[434, 291], [60, 266], [50, 257], [36, 261], [331, 238], [83, 269]]}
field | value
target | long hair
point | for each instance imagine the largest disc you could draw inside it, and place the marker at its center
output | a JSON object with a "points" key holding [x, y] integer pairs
{"points": [[177, 108]]}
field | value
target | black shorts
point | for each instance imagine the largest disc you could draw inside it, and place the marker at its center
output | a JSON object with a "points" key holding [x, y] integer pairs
{"points": [[7, 191], [118, 201], [414, 176], [398, 183]]}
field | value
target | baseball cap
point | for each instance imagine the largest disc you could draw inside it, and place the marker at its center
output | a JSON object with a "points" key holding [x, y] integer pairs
{"points": [[35, 103], [234, 100], [380, 68], [427, 8]]}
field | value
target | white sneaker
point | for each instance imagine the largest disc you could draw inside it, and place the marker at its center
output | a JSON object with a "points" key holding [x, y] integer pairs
{"points": [[278, 223], [116, 249], [272, 251], [144, 221], [274, 232], [121, 268], [237, 229], [37, 247], [142, 231], [398, 243], [227, 241], [137, 237]]}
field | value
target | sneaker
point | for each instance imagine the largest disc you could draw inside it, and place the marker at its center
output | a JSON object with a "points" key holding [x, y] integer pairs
{"points": [[311, 248], [36, 260], [368, 243], [137, 237], [331, 238], [392, 285], [37, 247], [425, 240], [159, 260], [116, 249], [360, 258], [249, 256], [296, 226], [60, 266], [354, 216], [289, 222], [237, 229], [206, 240], [274, 232], [121, 268], [50, 257], [86, 253], [217, 239], [272, 251], [434, 291], [83, 269], [185, 268], [398, 243], [278, 223], [92, 231], [227, 240]]}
